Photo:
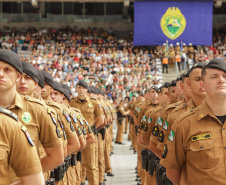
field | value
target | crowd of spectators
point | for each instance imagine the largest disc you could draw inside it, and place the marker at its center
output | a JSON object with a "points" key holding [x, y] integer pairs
{"points": [[98, 56]]}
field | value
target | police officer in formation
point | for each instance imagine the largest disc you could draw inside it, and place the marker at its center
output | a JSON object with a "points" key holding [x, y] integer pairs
{"points": [[183, 136], [43, 132], [48, 138]]}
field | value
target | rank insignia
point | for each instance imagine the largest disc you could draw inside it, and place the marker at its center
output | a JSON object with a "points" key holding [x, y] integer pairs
{"points": [[84, 131], [161, 137], [24, 129], [59, 133], [164, 153], [72, 127], [141, 126], [146, 127], [155, 130], [79, 131], [90, 130], [26, 117]]}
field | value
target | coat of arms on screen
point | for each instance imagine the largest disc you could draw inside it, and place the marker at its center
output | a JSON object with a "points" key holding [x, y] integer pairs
{"points": [[173, 23]]}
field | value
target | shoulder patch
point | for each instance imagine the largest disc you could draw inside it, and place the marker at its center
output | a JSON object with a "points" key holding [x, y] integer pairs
{"points": [[66, 115], [73, 117], [80, 120], [84, 131], [9, 113], [161, 137], [24, 129], [31, 99]]}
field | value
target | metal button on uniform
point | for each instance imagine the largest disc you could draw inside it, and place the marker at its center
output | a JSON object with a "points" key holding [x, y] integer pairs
{"points": [[201, 146], [223, 128], [225, 147]]}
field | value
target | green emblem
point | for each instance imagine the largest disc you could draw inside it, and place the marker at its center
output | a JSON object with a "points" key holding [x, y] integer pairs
{"points": [[149, 120], [26, 117], [144, 119], [90, 105], [160, 121], [165, 127], [173, 23], [171, 136]]}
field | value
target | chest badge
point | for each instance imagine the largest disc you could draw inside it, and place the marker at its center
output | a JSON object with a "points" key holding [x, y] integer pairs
{"points": [[26, 117], [89, 105]]}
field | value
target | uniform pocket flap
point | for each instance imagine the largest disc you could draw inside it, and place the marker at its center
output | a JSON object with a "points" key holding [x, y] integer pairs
{"points": [[201, 145], [89, 110]]}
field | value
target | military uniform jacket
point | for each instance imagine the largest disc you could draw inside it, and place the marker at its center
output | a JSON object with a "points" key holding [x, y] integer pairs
{"points": [[165, 130], [32, 113], [63, 118], [90, 109], [196, 146], [16, 149], [161, 120]]}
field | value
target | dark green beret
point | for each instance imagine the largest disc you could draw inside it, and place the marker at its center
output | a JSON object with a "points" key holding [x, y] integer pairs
{"points": [[172, 83], [41, 81], [216, 64], [57, 87], [48, 78], [83, 84], [67, 87], [179, 78], [66, 92], [30, 70], [12, 59]]}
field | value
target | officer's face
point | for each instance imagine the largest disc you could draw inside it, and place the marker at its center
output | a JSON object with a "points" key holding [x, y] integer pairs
{"points": [[56, 96], [173, 95], [46, 90], [165, 95], [215, 82], [26, 85], [37, 92], [179, 90], [81, 90], [8, 76], [153, 95], [186, 89], [195, 83], [65, 101]]}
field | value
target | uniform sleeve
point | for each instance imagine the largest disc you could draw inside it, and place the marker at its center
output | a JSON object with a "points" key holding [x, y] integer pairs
{"points": [[48, 130], [97, 109], [149, 124], [173, 156], [23, 158]]}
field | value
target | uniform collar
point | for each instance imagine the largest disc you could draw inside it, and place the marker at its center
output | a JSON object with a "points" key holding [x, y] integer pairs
{"points": [[17, 102], [190, 105], [204, 111], [77, 99]]}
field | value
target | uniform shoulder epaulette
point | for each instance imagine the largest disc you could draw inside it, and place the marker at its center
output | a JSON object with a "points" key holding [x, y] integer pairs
{"points": [[76, 110], [9, 113], [184, 115], [93, 98], [31, 99], [52, 103]]}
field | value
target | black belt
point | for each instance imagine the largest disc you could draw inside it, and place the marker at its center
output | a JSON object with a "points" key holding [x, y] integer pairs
{"points": [[95, 130]]}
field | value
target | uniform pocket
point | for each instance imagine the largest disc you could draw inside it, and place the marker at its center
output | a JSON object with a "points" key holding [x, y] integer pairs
{"points": [[89, 112], [202, 154]]}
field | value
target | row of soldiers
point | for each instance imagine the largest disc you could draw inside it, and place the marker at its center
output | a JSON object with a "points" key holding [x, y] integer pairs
{"points": [[47, 137], [180, 136]]}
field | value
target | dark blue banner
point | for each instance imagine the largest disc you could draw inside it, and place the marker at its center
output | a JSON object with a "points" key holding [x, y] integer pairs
{"points": [[175, 21]]}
